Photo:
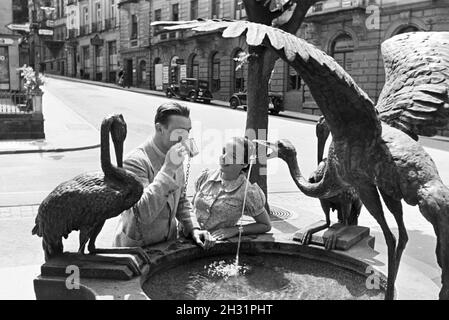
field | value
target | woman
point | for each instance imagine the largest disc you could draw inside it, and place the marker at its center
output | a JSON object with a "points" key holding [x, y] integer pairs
{"points": [[218, 199]]}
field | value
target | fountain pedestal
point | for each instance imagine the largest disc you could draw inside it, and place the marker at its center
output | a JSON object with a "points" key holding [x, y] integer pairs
{"points": [[348, 236]]}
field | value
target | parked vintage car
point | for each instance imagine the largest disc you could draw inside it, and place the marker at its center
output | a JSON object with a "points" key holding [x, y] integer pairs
{"points": [[190, 88], [275, 106]]}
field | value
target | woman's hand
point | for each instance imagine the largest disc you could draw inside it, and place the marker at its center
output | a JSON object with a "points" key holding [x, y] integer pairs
{"points": [[225, 233]]}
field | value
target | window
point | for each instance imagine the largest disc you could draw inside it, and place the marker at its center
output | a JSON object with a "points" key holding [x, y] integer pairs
{"points": [[194, 67], [193, 9], [175, 12], [4, 68], [112, 8], [215, 10], [86, 63], [133, 27], [85, 16], [215, 85], [294, 80], [157, 17], [98, 9], [343, 50], [112, 50], [99, 63], [240, 12]]}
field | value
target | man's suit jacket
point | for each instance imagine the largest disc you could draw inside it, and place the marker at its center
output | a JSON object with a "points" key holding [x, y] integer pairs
{"points": [[154, 218]]}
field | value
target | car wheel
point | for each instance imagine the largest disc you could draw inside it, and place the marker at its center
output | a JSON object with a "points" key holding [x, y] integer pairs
{"points": [[206, 101], [274, 112], [245, 108], [192, 96], [168, 94], [234, 103]]}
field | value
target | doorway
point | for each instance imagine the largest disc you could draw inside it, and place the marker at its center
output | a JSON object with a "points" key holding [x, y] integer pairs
{"points": [[129, 72]]}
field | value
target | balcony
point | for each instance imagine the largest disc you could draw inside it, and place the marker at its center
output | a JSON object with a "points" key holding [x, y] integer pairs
{"points": [[97, 26], [84, 30], [110, 23], [323, 8], [72, 33], [336, 5]]}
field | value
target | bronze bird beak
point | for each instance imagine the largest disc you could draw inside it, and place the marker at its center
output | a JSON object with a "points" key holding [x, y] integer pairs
{"points": [[269, 145]]}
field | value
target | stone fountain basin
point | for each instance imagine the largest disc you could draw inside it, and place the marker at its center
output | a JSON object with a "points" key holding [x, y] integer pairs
{"points": [[181, 251]]}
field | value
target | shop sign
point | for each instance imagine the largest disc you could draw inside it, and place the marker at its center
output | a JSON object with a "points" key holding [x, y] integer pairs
{"points": [[6, 41], [165, 74], [96, 41], [45, 32], [183, 71]]}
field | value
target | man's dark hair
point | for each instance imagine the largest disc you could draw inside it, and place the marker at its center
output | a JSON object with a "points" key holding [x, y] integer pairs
{"points": [[169, 109]]}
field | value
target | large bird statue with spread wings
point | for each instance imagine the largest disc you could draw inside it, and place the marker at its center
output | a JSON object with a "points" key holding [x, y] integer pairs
{"points": [[374, 148], [85, 202]]}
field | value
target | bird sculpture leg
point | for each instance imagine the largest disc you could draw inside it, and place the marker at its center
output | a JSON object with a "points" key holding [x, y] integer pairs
{"points": [[93, 236], [90, 234], [356, 207], [345, 210], [433, 203], [370, 198], [307, 236], [395, 207], [84, 237], [52, 247], [132, 250]]}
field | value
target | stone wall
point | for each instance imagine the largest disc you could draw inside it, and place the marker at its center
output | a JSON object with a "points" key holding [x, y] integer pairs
{"points": [[21, 126]]}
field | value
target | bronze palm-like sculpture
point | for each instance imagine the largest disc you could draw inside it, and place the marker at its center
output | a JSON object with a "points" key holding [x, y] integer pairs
{"points": [[85, 202], [374, 148]]}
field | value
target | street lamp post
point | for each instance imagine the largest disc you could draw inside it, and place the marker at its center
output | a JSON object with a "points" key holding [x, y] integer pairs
{"points": [[34, 29]]}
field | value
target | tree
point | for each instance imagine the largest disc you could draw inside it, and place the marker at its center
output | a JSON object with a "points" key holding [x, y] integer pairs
{"points": [[288, 16]]}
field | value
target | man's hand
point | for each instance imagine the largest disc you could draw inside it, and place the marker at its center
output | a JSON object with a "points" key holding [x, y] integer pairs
{"points": [[175, 156], [203, 238], [225, 233]]}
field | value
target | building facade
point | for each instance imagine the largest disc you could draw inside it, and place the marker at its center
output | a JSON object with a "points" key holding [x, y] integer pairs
{"points": [[11, 48], [207, 56], [352, 32], [83, 41], [103, 35], [135, 38]]}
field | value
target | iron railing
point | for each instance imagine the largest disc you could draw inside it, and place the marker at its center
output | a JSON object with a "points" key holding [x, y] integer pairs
{"points": [[15, 102]]}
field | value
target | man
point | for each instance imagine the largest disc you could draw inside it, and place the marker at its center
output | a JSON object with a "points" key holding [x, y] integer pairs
{"points": [[121, 77], [158, 165]]}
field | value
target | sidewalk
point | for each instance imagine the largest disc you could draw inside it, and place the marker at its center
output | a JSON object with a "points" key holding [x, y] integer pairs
{"points": [[64, 129]]}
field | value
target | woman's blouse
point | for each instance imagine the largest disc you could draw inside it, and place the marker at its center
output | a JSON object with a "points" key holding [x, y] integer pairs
{"points": [[218, 203]]}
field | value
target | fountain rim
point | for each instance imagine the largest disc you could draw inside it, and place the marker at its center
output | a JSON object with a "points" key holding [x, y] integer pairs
{"points": [[176, 251], [191, 252]]}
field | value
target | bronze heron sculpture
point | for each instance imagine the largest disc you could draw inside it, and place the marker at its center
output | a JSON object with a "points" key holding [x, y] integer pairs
{"points": [[85, 202]]}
